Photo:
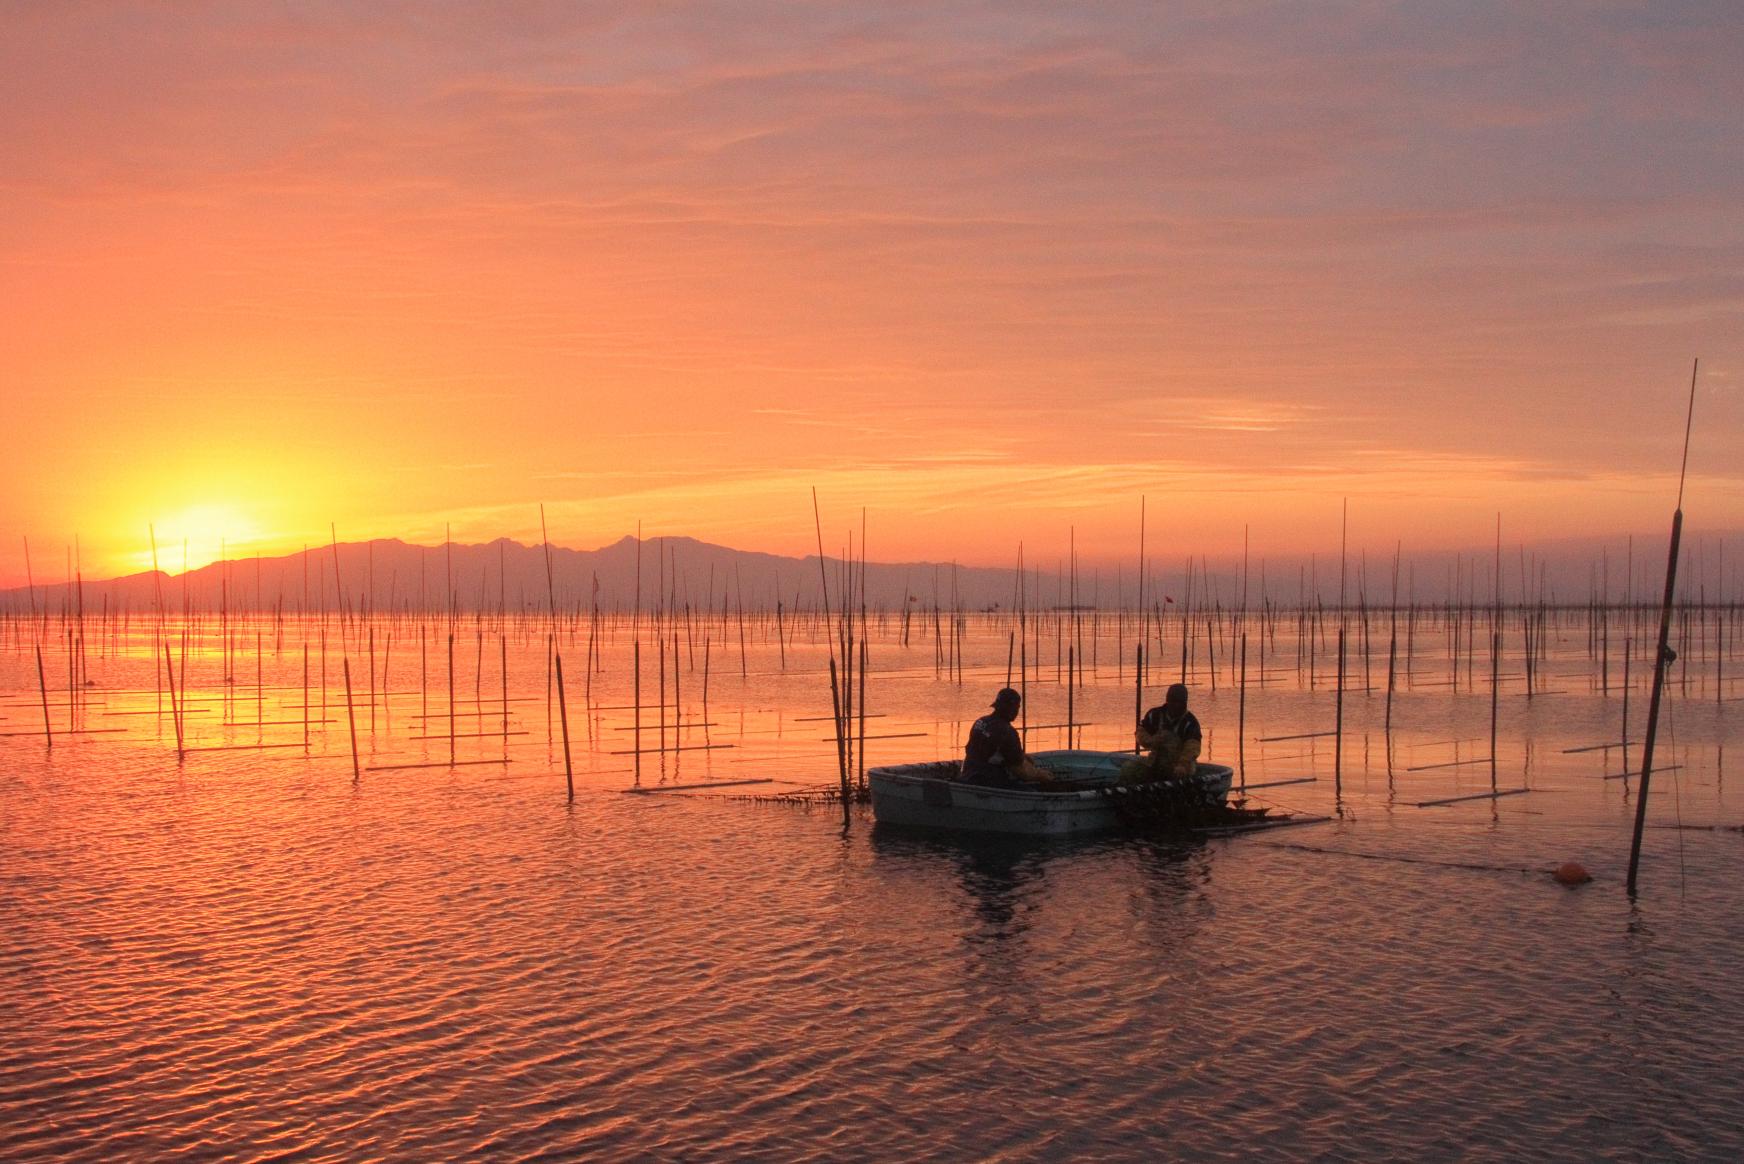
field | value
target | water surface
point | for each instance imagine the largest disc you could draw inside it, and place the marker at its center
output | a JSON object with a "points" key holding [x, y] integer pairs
{"points": [[249, 955]]}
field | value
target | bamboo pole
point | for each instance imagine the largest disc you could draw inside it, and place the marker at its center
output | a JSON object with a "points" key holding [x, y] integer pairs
{"points": [[836, 699], [1628, 650], [1392, 644], [42, 686], [835, 692], [1071, 691], [351, 719], [1496, 651], [860, 751], [175, 703], [1138, 652], [1338, 712], [563, 718], [1663, 655], [1660, 661], [1241, 718]]}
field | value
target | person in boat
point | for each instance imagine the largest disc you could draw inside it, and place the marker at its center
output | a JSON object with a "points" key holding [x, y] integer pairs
{"points": [[1172, 737], [994, 756]]}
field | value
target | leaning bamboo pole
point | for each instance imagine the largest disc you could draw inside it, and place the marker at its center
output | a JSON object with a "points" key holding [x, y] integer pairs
{"points": [[557, 658], [1663, 655], [836, 709]]}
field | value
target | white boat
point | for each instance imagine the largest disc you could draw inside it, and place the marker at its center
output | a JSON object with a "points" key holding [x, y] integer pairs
{"points": [[932, 795]]}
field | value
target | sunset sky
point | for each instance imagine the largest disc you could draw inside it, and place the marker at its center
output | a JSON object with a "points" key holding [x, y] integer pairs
{"points": [[991, 270]]}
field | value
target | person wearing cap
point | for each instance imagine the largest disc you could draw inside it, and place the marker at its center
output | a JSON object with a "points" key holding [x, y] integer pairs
{"points": [[994, 756], [1171, 735]]}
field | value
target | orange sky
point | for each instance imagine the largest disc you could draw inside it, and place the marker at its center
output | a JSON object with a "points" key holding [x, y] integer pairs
{"points": [[990, 271]]}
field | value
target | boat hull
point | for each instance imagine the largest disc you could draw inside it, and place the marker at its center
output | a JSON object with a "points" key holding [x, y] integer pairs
{"points": [[930, 795]]}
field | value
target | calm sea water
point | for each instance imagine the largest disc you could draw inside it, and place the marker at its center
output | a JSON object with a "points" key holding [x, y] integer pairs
{"points": [[248, 955]]}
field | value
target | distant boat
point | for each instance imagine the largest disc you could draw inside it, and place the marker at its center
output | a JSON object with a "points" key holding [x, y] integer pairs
{"points": [[931, 795]]}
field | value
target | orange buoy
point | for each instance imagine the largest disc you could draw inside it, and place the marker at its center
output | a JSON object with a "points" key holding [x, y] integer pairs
{"points": [[1571, 873]]}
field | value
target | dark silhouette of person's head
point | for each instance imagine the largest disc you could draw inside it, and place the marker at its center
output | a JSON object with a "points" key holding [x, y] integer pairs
{"points": [[1175, 699], [1006, 703]]}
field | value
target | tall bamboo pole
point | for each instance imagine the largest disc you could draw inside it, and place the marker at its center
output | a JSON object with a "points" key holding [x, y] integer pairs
{"points": [[42, 686], [351, 718], [557, 658], [175, 704], [1495, 650], [1663, 655], [563, 715]]}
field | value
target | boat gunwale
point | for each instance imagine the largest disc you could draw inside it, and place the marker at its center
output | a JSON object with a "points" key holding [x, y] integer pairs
{"points": [[1206, 774]]}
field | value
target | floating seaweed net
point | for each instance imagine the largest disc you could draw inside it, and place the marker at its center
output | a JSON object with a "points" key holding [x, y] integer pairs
{"points": [[817, 794], [1169, 805]]}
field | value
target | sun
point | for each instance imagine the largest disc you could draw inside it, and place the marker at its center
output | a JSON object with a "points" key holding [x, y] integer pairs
{"points": [[200, 535]]}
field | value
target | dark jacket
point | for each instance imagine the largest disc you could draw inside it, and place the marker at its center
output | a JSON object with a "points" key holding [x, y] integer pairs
{"points": [[993, 753], [1186, 728]]}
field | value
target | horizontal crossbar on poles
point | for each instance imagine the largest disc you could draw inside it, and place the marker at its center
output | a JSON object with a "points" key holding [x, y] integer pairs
{"points": [[167, 712], [360, 699], [691, 787], [492, 706], [1473, 796], [888, 736], [657, 727], [244, 747], [443, 764], [33, 704], [248, 723], [1626, 775], [1450, 764], [469, 736], [656, 751]]}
